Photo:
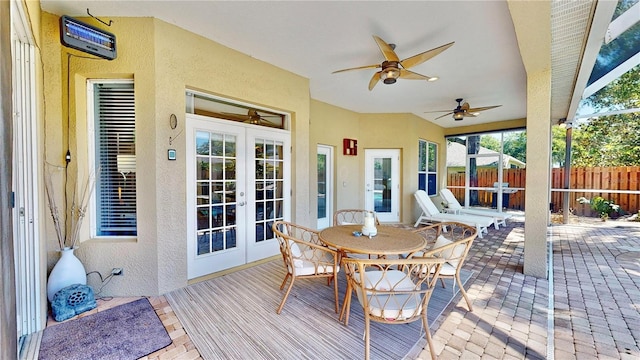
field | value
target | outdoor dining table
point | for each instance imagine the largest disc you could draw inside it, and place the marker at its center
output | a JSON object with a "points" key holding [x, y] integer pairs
{"points": [[389, 240]]}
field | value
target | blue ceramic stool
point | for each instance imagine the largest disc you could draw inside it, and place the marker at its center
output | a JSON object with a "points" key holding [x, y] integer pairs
{"points": [[71, 301]]}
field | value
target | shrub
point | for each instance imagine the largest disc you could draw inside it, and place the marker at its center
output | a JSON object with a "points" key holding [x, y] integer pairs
{"points": [[603, 207]]}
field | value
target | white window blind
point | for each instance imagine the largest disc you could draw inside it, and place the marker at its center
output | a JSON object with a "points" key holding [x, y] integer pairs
{"points": [[115, 158]]}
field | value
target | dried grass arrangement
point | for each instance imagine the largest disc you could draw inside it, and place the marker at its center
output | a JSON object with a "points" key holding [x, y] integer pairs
{"points": [[68, 220]]}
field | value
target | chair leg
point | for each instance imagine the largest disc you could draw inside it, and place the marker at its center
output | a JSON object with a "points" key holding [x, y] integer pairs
{"points": [[284, 299], [425, 324], [344, 313], [335, 290], [464, 293], [285, 281], [367, 336]]}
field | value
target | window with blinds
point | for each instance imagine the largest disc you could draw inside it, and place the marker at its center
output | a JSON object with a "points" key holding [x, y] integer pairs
{"points": [[115, 158]]}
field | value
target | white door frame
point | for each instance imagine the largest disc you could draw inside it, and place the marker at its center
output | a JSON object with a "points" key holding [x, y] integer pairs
{"points": [[370, 188], [326, 221]]}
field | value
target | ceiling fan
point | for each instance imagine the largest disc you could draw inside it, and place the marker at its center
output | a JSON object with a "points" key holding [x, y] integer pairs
{"points": [[463, 110], [393, 68], [252, 117]]}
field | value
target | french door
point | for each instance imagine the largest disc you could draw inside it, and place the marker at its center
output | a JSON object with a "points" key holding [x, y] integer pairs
{"points": [[382, 183], [237, 186], [325, 186]]}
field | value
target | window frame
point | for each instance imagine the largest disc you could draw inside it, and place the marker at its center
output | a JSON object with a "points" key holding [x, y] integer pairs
{"points": [[93, 213], [424, 170]]}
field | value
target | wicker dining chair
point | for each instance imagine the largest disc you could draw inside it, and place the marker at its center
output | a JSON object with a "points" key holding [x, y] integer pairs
{"points": [[305, 256], [392, 291], [450, 241], [350, 217]]}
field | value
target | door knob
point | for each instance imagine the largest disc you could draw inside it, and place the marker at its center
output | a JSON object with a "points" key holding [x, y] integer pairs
{"points": [[241, 203]]}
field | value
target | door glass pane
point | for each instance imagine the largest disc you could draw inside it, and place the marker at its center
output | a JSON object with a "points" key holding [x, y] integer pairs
{"points": [[322, 186], [216, 195], [382, 185], [269, 163], [433, 157], [202, 143], [203, 168], [217, 142]]}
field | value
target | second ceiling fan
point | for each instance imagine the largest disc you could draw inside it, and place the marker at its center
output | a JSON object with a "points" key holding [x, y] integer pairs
{"points": [[463, 110], [253, 116], [392, 68]]}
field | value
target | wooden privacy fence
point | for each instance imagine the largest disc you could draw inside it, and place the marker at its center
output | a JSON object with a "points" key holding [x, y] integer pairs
{"points": [[621, 178]]}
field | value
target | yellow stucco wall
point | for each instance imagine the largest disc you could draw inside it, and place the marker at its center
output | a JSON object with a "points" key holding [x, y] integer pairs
{"points": [[164, 61], [330, 124]]}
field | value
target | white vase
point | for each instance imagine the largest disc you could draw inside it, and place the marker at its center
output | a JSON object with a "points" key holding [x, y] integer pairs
{"points": [[67, 271]]}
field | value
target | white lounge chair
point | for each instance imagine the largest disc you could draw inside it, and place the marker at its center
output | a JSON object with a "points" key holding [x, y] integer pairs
{"points": [[499, 218], [430, 214]]}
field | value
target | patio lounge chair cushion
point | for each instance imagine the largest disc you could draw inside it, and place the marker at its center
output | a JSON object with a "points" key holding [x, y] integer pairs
{"points": [[453, 204], [430, 213]]}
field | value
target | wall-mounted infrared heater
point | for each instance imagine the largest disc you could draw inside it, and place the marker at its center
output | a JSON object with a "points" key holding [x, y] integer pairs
{"points": [[84, 37]]}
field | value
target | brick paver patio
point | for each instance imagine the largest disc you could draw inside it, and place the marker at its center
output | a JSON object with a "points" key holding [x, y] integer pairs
{"points": [[595, 311]]}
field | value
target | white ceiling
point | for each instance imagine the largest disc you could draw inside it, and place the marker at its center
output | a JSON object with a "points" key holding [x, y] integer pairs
{"points": [[314, 38]]}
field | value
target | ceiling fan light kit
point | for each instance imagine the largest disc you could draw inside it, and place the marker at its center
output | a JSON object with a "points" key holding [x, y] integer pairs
{"points": [[392, 68]]}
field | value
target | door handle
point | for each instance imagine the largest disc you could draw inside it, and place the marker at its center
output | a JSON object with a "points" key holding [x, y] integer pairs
{"points": [[241, 203]]}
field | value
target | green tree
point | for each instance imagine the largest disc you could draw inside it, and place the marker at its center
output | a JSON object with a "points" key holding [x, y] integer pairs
{"points": [[558, 145], [608, 141], [515, 144], [490, 142], [612, 140], [622, 93]]}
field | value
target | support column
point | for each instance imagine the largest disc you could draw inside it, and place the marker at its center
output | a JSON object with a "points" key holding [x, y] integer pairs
{"points": [[532, 22], [538, 183]]}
